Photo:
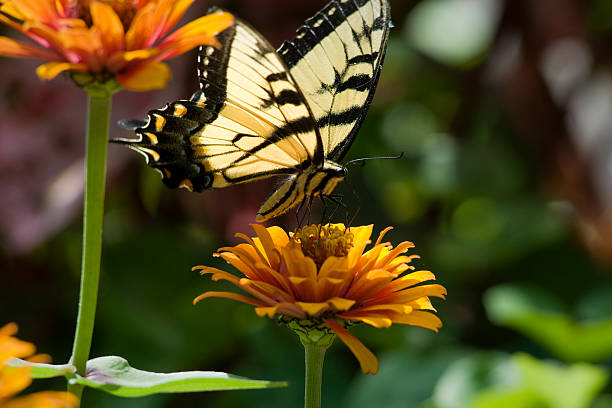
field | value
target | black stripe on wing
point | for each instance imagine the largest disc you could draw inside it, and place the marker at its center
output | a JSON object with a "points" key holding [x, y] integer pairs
{"points": [[313, 33], [165, 143]]}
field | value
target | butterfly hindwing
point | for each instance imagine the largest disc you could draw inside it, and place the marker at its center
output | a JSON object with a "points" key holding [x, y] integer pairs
{"points": [[336, 59]]}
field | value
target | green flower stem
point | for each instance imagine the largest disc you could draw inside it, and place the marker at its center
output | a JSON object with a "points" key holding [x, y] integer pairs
{"points": [[316, 337], [98, 117], [314, 374]]}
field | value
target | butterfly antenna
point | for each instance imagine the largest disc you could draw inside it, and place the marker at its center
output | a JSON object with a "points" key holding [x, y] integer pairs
{"points": [[362, 160]]}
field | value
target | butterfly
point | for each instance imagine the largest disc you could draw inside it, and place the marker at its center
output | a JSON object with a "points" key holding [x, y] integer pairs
{"points": [[262, 112]]}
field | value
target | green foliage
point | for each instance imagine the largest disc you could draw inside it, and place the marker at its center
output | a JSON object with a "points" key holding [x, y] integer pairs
{"points": [[539, 316], [114, 375], [573, 386], [42, 370], [485, 380]]}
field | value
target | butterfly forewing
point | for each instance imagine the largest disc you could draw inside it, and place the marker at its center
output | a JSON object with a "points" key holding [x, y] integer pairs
{"points": [[336, 59], [263, 126], [248, 121]]}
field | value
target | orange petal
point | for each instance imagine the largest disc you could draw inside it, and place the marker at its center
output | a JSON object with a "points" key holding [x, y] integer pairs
{"points": [[179, 8], [361, 238], [367, 360], [145, 77], [250, 271], [412, 279], [279, 236], [138, 34], [408, 295], [379, 321], [334, 267], [369, 259], [53, 69], [341, 304], [381, 235], [208, 25], [108, 23], [304, 288], [40, 358], [289, 309], [39, 10], [44, 399], [298, 264], [218, 274], [17, 49], [267, 242], [277, 278], [13, 380], [419, 318], [9, 329], [422, 304], [182, 45], [403, 309], [262, 256], [270, 290], [369, 284], [13, 347], [228, 295], [362, 233], [312, 308], [75, 45], [401, 248], [245, 252]]}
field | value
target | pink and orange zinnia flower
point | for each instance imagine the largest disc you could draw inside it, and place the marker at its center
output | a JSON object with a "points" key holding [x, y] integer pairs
{"points": [[321, 274], [106, 39], [15, 379]]}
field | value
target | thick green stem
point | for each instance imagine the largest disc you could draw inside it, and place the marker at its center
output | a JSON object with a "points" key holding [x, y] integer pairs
{"points": [[98, 117], [315, 354]]}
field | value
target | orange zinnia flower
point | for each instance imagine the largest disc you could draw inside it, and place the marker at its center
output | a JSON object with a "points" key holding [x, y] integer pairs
{"points": [[106, 39], [321, 275], [13, 380]]}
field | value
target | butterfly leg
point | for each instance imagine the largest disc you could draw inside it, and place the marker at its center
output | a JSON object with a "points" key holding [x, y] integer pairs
{"points": [[299, 220], [337, 199], [307, 211]]}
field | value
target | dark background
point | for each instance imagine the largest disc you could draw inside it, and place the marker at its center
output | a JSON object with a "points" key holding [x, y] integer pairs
{"points": [[503, 111]]}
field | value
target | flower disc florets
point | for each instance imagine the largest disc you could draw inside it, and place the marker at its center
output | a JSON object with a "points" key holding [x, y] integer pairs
{"points": [[319, 242]]}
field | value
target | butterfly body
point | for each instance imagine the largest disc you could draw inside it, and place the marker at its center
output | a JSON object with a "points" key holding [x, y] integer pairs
{"points": [[261, 112]]}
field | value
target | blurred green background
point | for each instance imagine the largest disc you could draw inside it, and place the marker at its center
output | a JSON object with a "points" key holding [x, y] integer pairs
{"points": [[503, 111]]}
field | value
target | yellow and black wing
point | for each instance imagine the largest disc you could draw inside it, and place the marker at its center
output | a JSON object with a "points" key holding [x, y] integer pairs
{"points": [[336, 59], [248, 121]]}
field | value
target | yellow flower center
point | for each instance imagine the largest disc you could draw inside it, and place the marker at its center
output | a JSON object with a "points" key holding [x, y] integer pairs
{"points": [[319, 242]]}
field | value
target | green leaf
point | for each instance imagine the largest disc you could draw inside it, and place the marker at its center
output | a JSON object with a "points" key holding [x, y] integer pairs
{"points": [[41, 370], [114, 375], [467, 377], [535, 314], [573, 386], [501, 398]]}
